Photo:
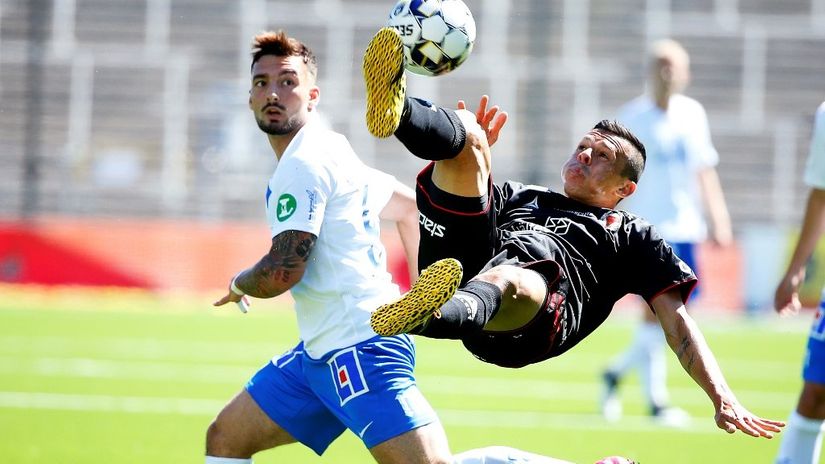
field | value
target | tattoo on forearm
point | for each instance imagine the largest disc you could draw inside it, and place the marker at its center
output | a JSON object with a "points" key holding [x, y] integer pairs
{"points": [[684, 346], [289, 251]]}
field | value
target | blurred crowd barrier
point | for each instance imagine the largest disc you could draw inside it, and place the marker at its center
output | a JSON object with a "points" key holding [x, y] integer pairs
{"points": [[152, 254], [161, 255]]}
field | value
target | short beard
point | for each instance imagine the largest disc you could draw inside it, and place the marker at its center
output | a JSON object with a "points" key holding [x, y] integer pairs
{"points": [[277, 129]]}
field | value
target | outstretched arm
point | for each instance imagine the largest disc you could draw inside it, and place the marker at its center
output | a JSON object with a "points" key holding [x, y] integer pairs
{"points": [[694, 354], [786, 298], [402, 210], [278, 271], [716, 207]]}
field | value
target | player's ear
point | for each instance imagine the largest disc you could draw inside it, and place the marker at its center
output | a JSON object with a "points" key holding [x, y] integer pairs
{"points": [[314, 98], [249, 102], [626, 189]]}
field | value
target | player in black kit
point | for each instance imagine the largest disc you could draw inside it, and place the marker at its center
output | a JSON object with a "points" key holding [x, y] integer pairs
{"points": [[541, 269]]}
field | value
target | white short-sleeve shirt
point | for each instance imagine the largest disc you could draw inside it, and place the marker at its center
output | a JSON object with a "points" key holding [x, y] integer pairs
{"points": [[678, 146], [320, 186], [815, 167]]}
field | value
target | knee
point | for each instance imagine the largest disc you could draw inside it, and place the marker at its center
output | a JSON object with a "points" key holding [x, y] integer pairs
{"points": [[476, 148], [516, 283], [218, 442]]}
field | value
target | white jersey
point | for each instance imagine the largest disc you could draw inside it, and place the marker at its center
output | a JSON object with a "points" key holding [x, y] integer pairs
{"points": [[320, 186], [678, 147], [815, 167]]}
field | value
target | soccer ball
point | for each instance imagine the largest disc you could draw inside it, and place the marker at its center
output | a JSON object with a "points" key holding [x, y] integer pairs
{"points": [[438, 35]]}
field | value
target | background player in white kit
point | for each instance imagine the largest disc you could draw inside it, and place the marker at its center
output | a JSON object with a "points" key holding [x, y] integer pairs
{"points": [[680, 188], [802, 440]]}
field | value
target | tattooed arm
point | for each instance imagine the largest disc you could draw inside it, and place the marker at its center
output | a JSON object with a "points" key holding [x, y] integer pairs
{"points": [[278, 271], [694, 354]]}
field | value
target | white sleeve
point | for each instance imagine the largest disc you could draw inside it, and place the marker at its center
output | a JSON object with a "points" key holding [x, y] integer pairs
{"points": [[298, 195], [815, 167], [699, 148], [382, 186]]}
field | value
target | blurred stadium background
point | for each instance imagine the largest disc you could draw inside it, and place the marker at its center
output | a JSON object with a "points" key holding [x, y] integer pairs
{"points": [[128, 156], [123, 112]]}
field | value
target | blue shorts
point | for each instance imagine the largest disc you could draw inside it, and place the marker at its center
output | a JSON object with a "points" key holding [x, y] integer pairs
{"points": [[686, 251], [368, 388], [813, 369]]}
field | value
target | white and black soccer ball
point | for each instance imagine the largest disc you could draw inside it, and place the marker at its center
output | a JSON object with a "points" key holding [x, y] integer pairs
{"points": [[438, 35]]}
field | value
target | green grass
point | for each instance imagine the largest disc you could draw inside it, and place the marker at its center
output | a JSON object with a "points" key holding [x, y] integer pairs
{"points": [[125, 377]]}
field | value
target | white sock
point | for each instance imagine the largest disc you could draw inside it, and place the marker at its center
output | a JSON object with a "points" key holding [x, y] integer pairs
{"points": [[801, 440], [503, 455], [653, 366], [214, 460]]}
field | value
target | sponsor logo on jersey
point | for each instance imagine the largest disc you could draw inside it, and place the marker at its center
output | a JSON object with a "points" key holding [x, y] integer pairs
{"points": [[558, 226], [311, 198], [347, 375], [435, 230], [286, 207]]}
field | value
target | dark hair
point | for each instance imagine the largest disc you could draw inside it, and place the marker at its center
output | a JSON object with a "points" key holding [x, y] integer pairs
{"points": [[635, 164], [279, 44]]}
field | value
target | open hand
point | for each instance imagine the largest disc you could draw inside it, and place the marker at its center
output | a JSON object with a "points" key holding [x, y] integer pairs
{"points": [[491, 120], [732, 416]]}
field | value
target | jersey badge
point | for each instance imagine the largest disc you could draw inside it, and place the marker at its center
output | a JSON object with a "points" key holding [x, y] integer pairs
{"points": [[612, 221], [286, 207]]}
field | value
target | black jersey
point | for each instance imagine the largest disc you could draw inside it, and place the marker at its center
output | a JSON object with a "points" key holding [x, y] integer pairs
{"points": [[605, 254], [589, 256]]}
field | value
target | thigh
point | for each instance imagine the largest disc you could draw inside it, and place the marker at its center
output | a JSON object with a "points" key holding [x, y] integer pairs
{"points": [[282, 391], [425, 445], [370, 387], [814, 365], [242, 429]]}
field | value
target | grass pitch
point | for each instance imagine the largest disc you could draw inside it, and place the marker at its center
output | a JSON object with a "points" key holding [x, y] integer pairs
{"points": [[124, 377]]}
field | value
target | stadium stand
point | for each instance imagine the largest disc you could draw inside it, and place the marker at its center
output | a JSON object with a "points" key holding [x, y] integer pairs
{"points": [[144, 102]]}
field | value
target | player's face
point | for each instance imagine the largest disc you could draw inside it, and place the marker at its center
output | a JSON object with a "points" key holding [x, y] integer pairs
{"points": [[282, 95], [593, 176], [670, 75]]}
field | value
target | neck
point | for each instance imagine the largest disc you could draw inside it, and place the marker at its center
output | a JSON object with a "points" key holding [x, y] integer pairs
{"points": [[662, 100], [279, 143]]}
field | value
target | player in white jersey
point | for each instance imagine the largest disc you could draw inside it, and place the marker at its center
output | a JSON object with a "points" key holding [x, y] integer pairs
{"points": [[802, 441], [324, 206], [680, 188]]}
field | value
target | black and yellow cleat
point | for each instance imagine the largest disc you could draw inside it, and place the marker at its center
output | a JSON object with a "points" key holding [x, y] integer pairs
{"points": [[386, 83], [434, 287]]}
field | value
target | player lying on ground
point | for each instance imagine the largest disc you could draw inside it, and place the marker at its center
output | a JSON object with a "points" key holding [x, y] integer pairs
{"points": [[542, 269]]}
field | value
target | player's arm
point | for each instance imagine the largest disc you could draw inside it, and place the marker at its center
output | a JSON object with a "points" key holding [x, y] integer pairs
{"points": [[715, 206], [694, 354], [402, 210], [786, 298], [278, 271]]}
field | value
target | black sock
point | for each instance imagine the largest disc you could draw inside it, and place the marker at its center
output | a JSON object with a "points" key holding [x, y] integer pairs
{"points": [[466, 312], [430, 132]]}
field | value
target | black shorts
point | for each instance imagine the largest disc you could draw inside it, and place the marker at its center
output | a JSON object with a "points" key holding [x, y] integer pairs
{"points": [[465, 229], [454, 227], [535, 341]]}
